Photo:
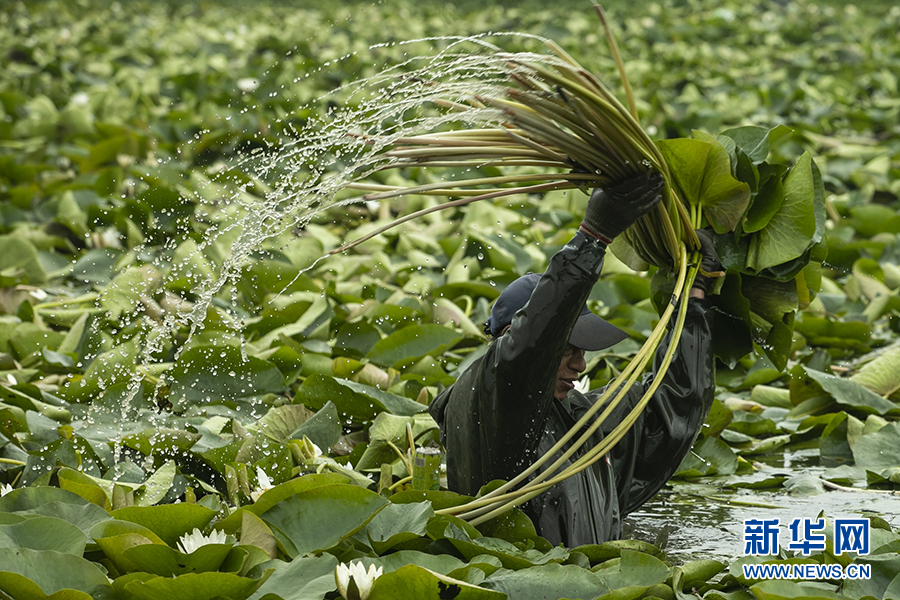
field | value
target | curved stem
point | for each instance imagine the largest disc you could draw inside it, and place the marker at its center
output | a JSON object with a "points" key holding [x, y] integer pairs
{"points": [[624, 381], [545, 187]]}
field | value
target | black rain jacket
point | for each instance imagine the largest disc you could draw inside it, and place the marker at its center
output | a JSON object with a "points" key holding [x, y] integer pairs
{"points": [[501, 413]]}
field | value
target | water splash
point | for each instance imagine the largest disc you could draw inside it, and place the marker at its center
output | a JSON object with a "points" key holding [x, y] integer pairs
{"points": [[343, 144]]}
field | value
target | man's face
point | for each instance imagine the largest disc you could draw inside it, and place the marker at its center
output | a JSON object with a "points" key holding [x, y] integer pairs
{"points": [[570, 367]]}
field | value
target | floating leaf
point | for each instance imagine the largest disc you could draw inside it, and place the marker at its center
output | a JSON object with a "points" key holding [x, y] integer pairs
{"points": [[43, 533], [414, 341], [303, 578], [397, 523], [196, 586], [547, 581], [168, 521], [850, 393], [37, 574], [319, 518], [416, 583]]}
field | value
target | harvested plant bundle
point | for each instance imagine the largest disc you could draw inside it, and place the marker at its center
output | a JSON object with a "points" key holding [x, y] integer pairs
{"points": [[561, 122]]}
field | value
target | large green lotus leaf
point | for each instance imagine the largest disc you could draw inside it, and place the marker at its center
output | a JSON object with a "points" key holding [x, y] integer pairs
{"points": [[397, 523], [757, 141], [115, 536], [396, 405], [196, 586], [723, 198], [701, 169], [212, 373], [254, 532], [161, 440], [513, 526], [885, 572], [83, 485], [787, 590], [770, 299], [766, 202], [686, 159], [879, 450], [771, 396], [303, 578], [270, 498], [697, 573], [109, 368], [24, 499], [27, 574], [353, 400], [96, 266], [871, 219], [281, 421], [793, 228], [547, 581], [125, 292], [598, 553], [168, 521], [710, 456], [472, 289], [881, 375], [21, 264], [168, 562], [323, 428], [634, 569], [83, 516], [853, 335], [416, 583], [44, 533], [157, 485], [321, 517], [439, 563], [850, 393], [355, 339], [510, 555], [413, 342], [391, 428]]}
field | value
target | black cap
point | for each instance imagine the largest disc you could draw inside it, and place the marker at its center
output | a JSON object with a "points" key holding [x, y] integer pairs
{"points": [[590, 332]]}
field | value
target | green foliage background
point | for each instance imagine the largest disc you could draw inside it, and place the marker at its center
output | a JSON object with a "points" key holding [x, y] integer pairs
{"points": [[137, 137]]}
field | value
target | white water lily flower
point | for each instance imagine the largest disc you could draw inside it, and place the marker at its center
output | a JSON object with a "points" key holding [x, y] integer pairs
{"points": [[264, 484], [6, 489], [189, 542], [583, 385], [363, 579]]}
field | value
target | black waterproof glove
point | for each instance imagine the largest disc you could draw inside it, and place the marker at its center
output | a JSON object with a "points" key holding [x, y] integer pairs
{"points": [[612, 210], [709, 261]]}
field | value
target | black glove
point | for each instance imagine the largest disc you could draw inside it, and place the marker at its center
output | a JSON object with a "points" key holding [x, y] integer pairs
{"points": [[610, 211], [709, 261]]}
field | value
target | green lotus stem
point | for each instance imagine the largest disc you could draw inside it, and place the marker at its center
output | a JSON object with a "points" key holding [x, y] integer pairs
{"points": [[478, 152], [11, 461], [537, 125], [431, 188], [403, 458], [406, 479], [614, 49], [66, 301], [596, 453], [552, 154], [533, 189], [629, 375], [479, 163]]}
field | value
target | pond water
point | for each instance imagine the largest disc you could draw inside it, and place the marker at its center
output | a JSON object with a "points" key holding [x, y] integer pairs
{"points": [[705, 519]]}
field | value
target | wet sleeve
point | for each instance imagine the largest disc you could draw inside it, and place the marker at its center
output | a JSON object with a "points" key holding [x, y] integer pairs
{"points": [[649, 455], [494, 417]]}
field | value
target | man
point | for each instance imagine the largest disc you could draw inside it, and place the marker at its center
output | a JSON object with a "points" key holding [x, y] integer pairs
{"points": [[512, 405]]}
